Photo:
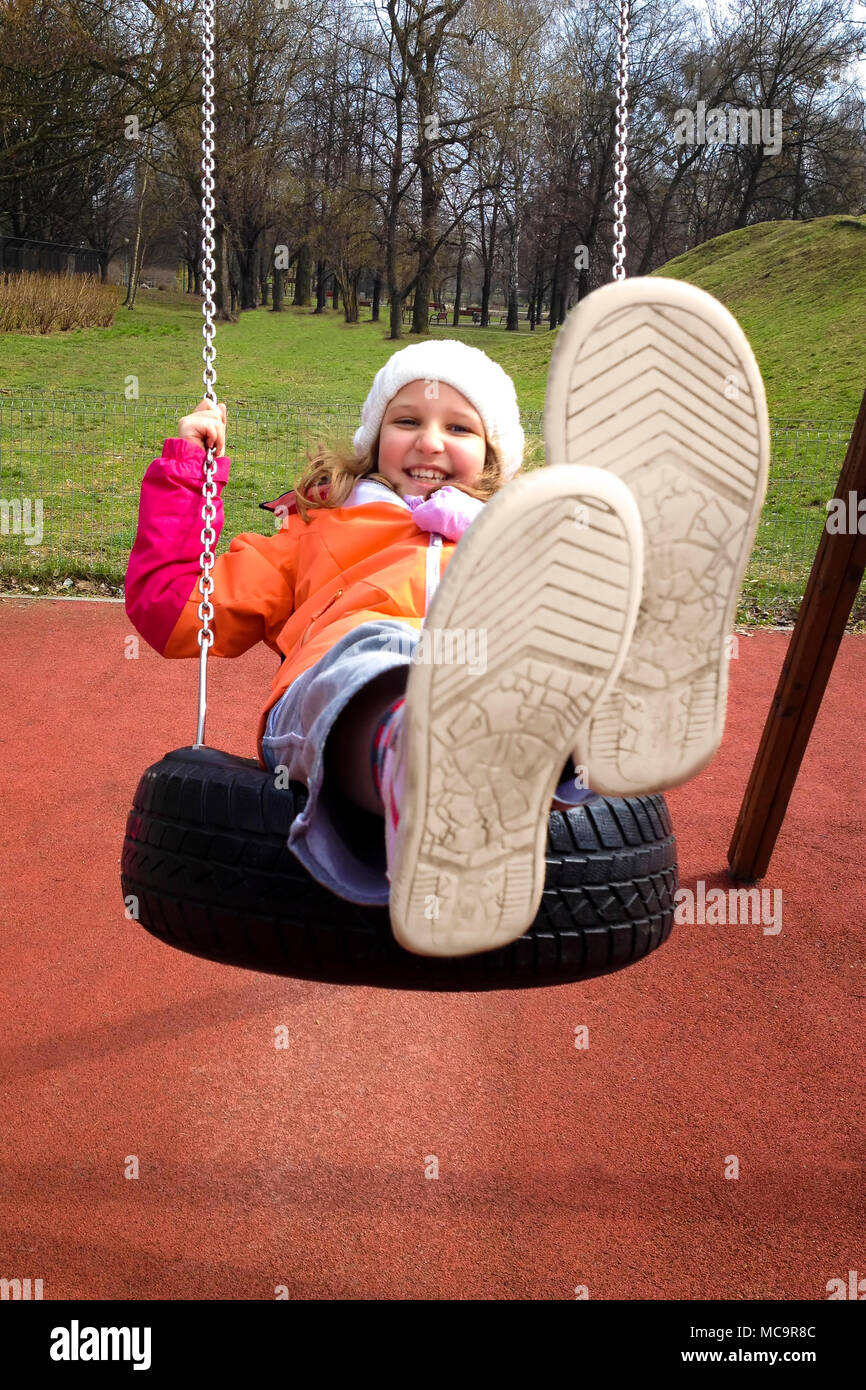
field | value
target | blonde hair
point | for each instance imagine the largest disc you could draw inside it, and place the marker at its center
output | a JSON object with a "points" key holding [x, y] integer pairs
{"points": [[340, 469]]}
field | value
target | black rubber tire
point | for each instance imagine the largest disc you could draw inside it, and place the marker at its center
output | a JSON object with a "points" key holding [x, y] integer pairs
{"points": [[205, 856]]}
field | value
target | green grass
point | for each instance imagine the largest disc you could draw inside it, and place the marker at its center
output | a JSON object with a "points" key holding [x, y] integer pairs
{"points": [[798, 289], [296, 356]]}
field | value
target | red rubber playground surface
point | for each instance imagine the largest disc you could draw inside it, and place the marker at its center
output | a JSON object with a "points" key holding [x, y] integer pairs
{"points": [[312, 1166]]}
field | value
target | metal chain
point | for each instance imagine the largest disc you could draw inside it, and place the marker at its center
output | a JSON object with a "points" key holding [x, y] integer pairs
{"points": [[621, 143], [208, 535]]}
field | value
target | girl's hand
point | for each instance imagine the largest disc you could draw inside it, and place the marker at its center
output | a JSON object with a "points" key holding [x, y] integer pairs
{"points": [[205, 426]]}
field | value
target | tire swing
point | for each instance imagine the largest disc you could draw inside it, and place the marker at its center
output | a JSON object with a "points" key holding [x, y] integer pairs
{"points": [[205, 855]]}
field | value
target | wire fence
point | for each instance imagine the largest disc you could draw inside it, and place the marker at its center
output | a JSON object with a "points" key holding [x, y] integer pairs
{"points": [[20, 253], [71, 465]]}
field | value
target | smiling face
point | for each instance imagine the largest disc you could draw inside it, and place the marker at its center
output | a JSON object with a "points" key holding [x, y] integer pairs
{"points": [[445, 435]]}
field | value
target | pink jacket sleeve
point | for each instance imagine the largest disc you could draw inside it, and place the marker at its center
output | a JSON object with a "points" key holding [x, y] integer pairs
{"points": [[253, 592], [164, 563]]}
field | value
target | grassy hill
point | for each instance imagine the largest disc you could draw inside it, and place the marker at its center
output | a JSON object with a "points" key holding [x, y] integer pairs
{"points": [[799, 291]]}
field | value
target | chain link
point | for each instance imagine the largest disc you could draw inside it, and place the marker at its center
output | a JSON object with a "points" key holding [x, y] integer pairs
{"points": [[208, 535], [621, 142]]}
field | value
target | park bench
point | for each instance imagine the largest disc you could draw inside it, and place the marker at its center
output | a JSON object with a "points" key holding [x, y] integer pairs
{"points": [[438, 309]]}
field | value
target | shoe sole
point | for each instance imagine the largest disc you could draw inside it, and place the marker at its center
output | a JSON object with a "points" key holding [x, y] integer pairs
{"points": [[548, 578], [655, 381]]}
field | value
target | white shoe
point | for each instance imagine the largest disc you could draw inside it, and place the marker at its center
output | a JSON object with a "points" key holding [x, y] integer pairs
{"points": [[528, 628], [654, 380]]}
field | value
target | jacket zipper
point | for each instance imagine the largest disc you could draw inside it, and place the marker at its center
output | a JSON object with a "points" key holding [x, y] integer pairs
{"points": [[434, 568], [316, 616]]}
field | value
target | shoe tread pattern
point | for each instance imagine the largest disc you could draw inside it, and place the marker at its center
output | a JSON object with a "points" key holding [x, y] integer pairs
{"points": [[646, 400], [489, 747]]}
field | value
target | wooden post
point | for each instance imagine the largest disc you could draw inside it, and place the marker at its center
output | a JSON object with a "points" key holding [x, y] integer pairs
{"points": [[827, 603]]}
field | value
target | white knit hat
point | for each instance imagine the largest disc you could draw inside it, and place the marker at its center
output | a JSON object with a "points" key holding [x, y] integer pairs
{"points": [[471, 372]]}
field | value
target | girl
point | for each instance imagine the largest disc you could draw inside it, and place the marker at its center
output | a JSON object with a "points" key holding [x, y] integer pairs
{"points": [[447, 691]]}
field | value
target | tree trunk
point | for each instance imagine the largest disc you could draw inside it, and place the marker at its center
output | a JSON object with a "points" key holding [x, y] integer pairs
{"points": [[582, 282], [264, 269], [512, 323], [431, 197], [234, 279], [395, 316], [222, 290], [555, 292], [277, 306], [248, 265], [335, 296], [321, 300], [799, 181], [349, 285], [485, 298], [487, 282], [755, 165], [137, 257], [396, 303], [394, 297], [377, 295], [533, 294], [422, 284], [303, 276], [458, 292], [395, 173], [134, 274], [422, 294]]}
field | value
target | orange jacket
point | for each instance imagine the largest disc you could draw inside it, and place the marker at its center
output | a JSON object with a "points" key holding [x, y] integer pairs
{"points": [[299, 590]]}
